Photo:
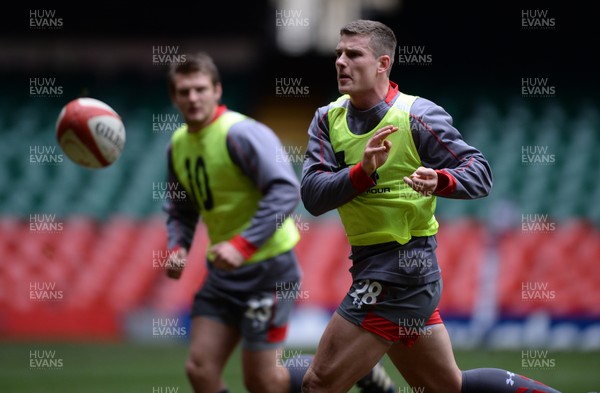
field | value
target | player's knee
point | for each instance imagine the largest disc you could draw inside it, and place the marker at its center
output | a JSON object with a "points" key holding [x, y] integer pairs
{"points": [[317, 381], [454, 382], [309, 383], [199, 370], [438, 378]]}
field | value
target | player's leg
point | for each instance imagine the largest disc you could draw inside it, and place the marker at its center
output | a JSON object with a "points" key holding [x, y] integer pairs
{"points": [[266, 372], [263, 374], [211, 344], [420, 340], [345, 354], [365, 324], [428, 363], [495, 380], [429, 366], [264, 322], [214, 336]]}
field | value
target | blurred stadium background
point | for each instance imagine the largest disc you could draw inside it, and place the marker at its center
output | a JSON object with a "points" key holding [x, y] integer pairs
{"points": [[81, 284]]}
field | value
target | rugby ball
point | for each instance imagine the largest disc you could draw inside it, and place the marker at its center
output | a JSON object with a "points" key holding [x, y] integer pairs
{"points": [[90, 133]]}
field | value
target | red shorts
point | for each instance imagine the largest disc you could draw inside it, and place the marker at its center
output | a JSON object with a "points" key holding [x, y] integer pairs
{"points": [[392, 332]]}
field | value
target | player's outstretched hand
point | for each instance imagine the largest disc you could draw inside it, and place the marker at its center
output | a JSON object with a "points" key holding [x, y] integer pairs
{"points": [[423, 180], [226, 256], [176, 263], [377, 149]]}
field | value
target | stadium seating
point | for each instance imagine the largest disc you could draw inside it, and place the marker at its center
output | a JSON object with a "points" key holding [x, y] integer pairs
{"points": [[101, 258], [461, 252], [110, 267]]}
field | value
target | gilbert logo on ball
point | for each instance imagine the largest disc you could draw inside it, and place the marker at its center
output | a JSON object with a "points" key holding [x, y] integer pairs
{"points": [[90, 132]]}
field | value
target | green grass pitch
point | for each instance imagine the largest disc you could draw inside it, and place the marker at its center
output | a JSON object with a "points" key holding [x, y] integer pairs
{"points": [[158, 368]]}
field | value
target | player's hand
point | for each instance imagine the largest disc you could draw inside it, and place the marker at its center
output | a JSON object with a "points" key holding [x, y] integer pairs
{"points": [[176, 263], [226, 256], [423, 180], [377, 149]]}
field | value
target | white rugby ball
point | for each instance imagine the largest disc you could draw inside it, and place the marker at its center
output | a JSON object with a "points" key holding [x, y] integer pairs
{"points": [[90, 132]]}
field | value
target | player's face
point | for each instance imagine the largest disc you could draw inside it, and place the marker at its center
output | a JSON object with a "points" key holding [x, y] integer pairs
{"points": [[196, 98], [355, 64]]}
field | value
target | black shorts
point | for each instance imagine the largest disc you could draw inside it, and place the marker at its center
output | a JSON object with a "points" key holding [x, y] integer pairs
{"points": [[393, 312], [261, 316]]}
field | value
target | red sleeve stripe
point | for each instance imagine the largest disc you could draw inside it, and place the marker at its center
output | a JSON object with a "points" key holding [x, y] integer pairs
{"points": [[446, 183], [359, 178], [245, 248]]}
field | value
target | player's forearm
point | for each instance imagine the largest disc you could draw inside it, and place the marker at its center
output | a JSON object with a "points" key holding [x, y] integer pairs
{"points": [[259, 154], [323, 191], [324, 185], [180, 230], [182, 215], [473, 179], [463, 171]]}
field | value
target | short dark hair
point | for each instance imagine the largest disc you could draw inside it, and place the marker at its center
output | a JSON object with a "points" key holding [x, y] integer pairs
{"points": [[198, 62], [382, 39]]}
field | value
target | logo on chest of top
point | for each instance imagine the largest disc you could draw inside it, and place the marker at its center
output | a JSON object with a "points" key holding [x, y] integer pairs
{"points": [[378, 190]]}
